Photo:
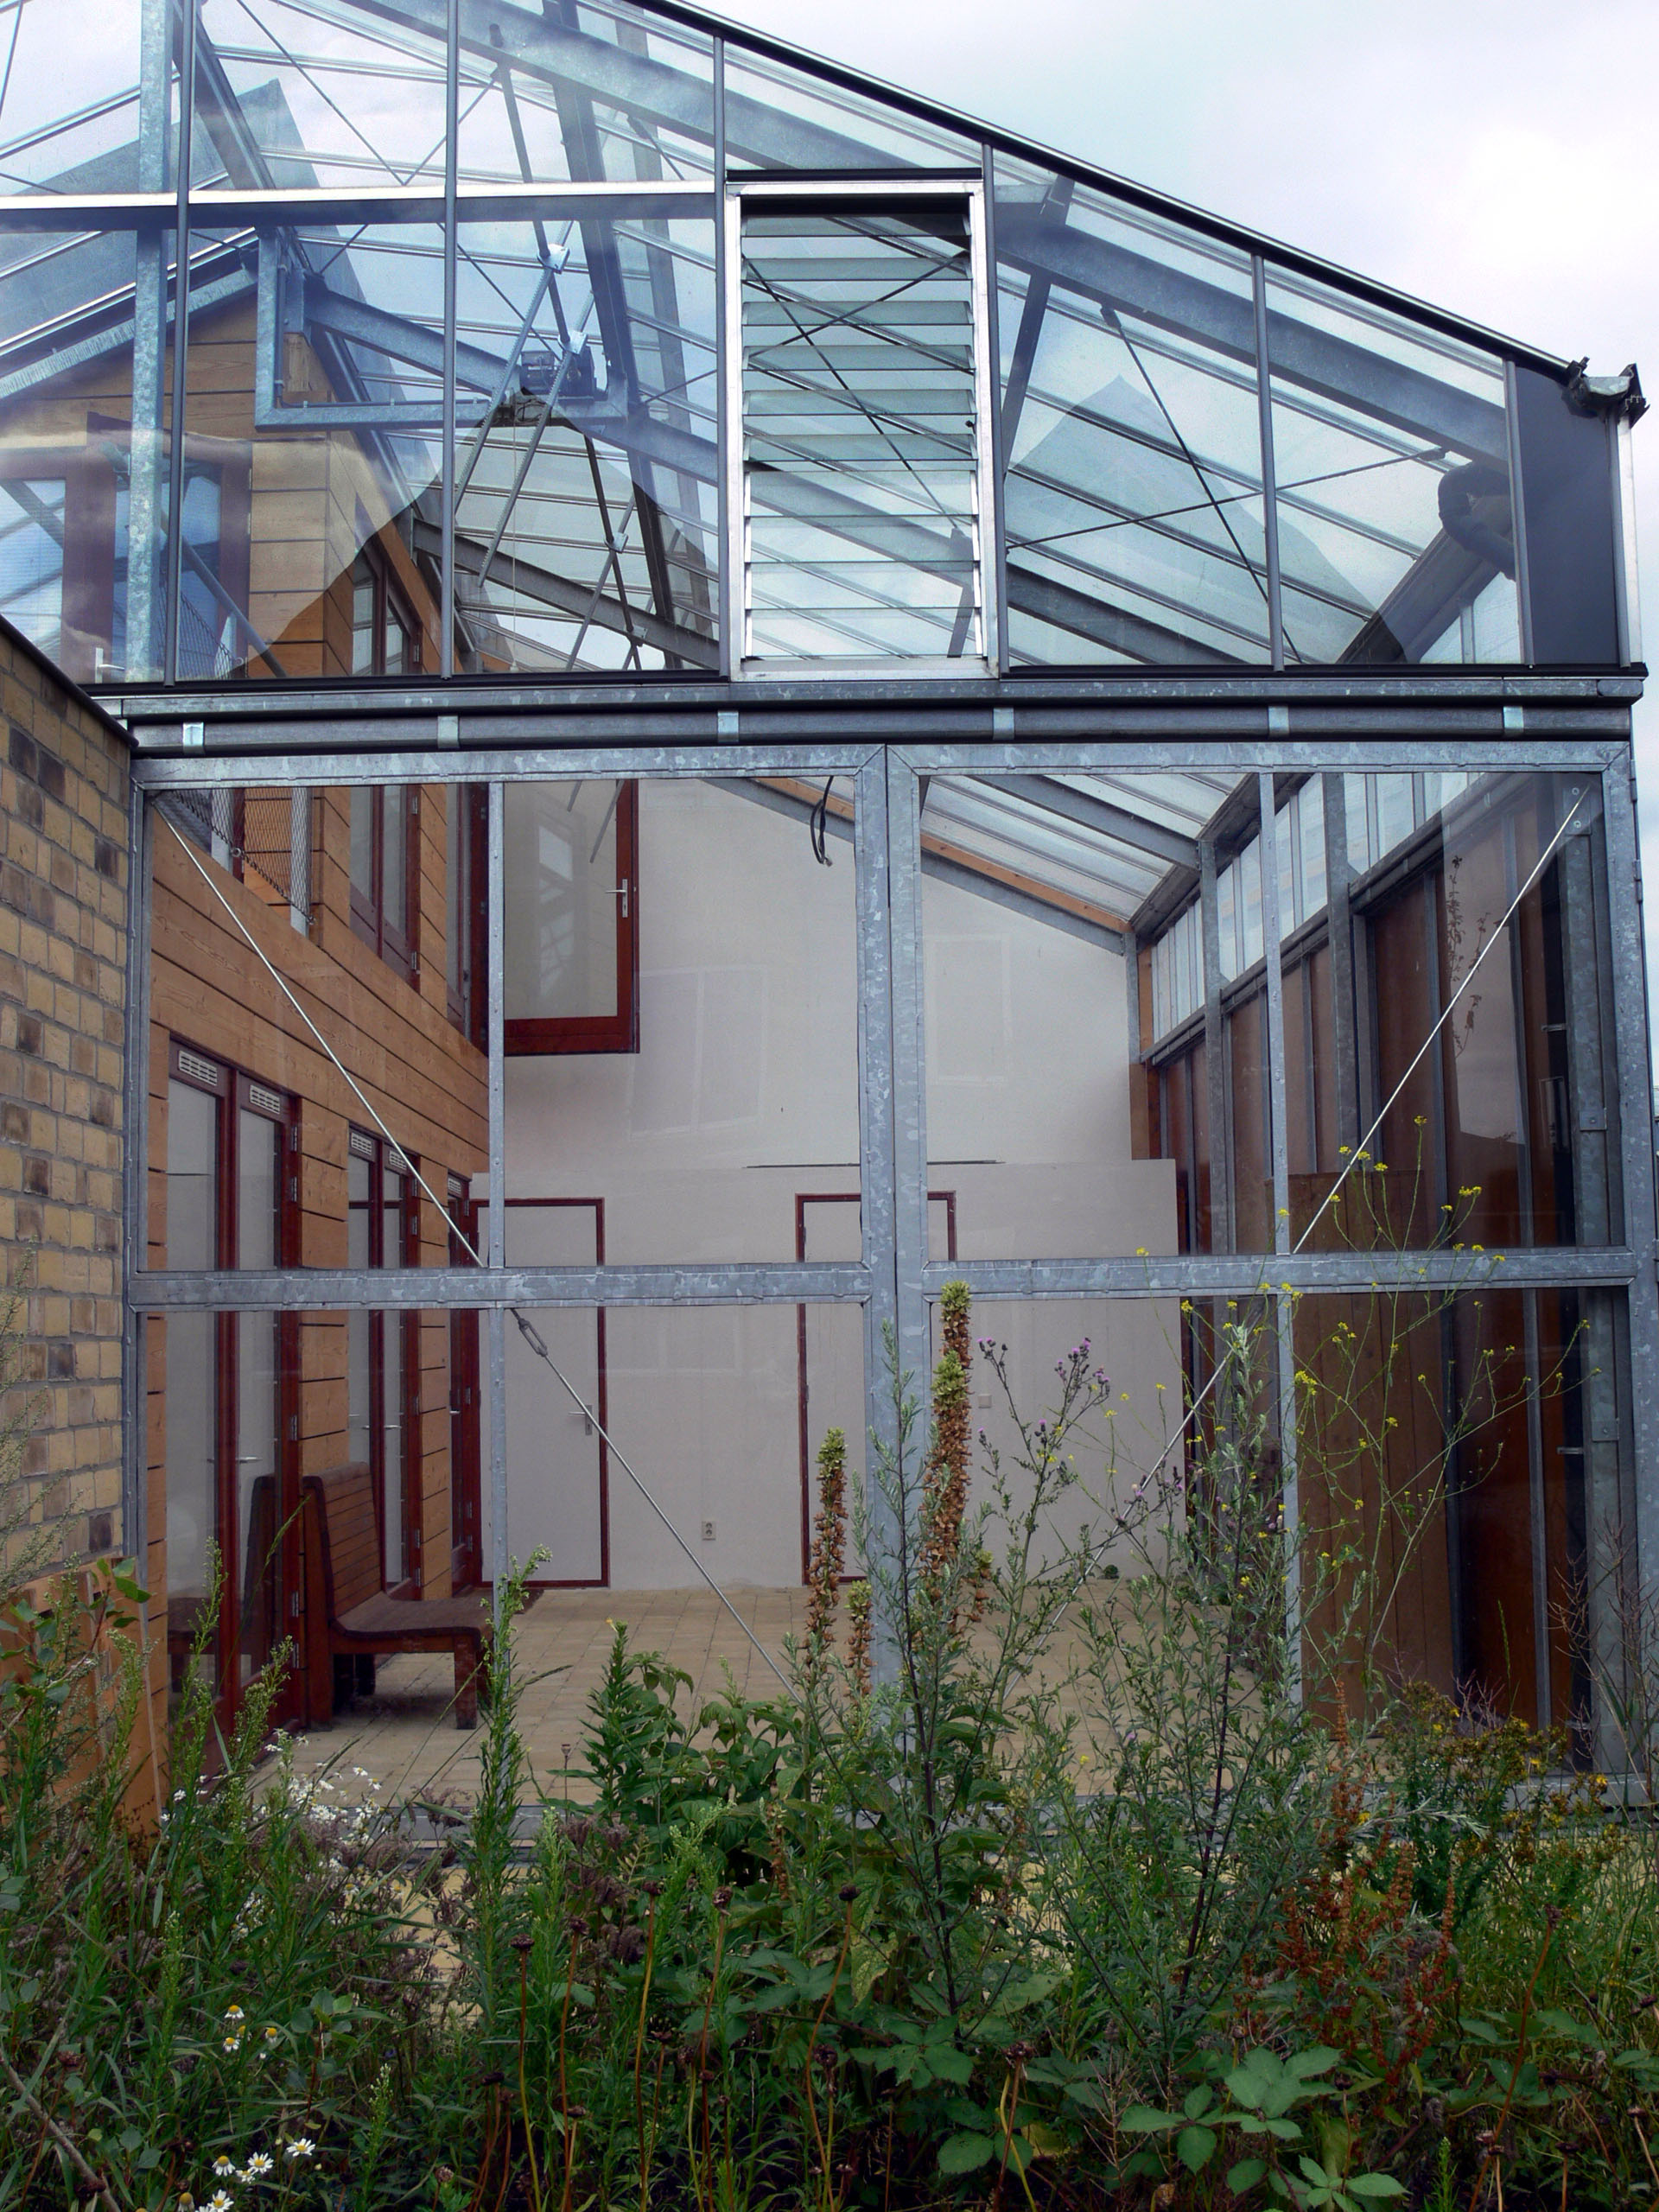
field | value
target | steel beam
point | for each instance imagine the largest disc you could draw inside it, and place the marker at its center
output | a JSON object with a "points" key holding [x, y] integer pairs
{"points": [[287, 1290], [1101, 816], [1244, 1274]]}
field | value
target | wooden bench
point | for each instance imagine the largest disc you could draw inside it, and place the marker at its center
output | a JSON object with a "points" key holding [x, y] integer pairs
{"points": [[349, 1613]]}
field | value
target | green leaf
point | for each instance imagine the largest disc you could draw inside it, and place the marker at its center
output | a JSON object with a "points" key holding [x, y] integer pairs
{"points": [[1374, 2185], [1141, 2120], [1245, 2175], [961, 2154], [1195, 2147], [1315, 2172], [1198, 2102], [947, 2063], [1304, 2064]]}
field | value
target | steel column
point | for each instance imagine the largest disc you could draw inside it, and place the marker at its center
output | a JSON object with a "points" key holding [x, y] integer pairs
{"points": [[877, 1178], [1635, 1075], [135, 1186], [1283, 1303], [495, 1252]]}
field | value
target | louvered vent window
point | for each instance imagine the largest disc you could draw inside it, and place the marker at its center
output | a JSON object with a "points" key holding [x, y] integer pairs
{"points": [[861, 462]]}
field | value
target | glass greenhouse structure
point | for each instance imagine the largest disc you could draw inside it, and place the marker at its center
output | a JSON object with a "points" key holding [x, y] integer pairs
{"points": [[747, 697]]}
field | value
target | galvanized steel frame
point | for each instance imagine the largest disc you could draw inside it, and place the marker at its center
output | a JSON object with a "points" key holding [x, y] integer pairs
{"points": [[894, 1280]]}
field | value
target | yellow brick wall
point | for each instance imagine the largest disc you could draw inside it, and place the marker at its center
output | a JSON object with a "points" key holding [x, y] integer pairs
{"points": [[63, 980]]}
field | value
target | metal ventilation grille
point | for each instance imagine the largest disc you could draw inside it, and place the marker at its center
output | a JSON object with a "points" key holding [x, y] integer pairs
{"points": [[862, 528]]}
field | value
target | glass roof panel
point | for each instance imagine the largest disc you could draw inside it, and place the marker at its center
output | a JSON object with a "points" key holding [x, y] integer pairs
{"points": [[1131, 433], [317, 92], [778, 118], [579, 544], [69, 99], [583, 93], [1396, 524]]}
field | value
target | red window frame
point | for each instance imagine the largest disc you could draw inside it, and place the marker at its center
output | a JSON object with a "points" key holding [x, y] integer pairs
{"points": [[232, 1091], [601, 1033]]}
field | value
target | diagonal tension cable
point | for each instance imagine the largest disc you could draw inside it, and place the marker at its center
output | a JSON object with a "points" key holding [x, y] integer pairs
{"points": [[527, 1330]]}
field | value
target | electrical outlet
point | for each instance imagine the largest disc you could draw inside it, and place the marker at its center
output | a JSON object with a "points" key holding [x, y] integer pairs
{"points": [[707, 1532]]}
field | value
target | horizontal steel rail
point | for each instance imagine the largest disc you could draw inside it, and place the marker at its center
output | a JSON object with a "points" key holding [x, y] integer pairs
{"points": [[752, 1282]]}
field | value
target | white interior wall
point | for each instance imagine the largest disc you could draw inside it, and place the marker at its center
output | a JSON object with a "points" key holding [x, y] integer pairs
{"points": [[742, 1096]]}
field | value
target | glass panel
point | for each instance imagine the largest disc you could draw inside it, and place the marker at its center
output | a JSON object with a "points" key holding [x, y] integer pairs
{"points": [[859, 456], [560, 949], [296, 95], [777, 118], [361, 802], [585, 523], [315, 458], [1128, 1449], [1446, 1458], [1396, 528], [83, 457], [69, 99], [394, 838], [292, 866], [189, 1366], [1504, 1132], [1131, 431], [192, 1177], [742, 1092], [1042, 896], [595, 92], [558, 1468]]}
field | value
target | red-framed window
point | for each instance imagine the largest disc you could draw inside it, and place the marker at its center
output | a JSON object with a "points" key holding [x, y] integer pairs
{"points": [[385, 822], [383, 1350], [231, 1416], [571, 945], [385, 636]]}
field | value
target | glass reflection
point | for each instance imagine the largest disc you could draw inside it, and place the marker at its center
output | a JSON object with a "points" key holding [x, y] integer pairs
{"points": [[587, 514], [1396, 521], [1131, 433]]}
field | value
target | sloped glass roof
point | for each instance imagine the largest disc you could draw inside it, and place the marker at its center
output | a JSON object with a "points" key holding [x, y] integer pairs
{"points": [[465, 345]]}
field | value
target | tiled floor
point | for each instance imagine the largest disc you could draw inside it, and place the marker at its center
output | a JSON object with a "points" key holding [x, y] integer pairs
{"points": [[404, 1737]]}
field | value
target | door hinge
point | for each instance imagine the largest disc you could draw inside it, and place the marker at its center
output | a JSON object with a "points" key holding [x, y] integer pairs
{"points": [[294, 1605]]}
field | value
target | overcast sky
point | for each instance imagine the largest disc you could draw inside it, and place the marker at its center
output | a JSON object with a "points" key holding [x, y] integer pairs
{"points": [[1499, 157]]}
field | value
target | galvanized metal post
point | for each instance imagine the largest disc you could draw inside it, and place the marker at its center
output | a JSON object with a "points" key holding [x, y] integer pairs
{"points": [[447, 491], [877, 1181], [1283, 1304], [135, 1185], [1634, 1079]]}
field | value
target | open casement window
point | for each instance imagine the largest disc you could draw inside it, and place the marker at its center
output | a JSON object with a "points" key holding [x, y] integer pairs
{"points": [[571, 955], [861, 481], [385, 820], [381, 1371], [232, 1477]]}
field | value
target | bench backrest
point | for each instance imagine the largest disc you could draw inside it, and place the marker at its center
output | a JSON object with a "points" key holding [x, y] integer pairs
{"points": [[348, 1536]]}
